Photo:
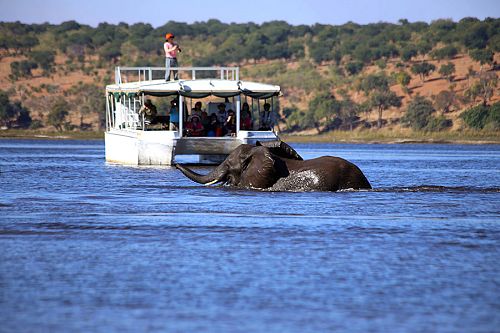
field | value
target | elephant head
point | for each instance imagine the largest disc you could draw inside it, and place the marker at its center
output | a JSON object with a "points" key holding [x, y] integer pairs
{"points": [[247, 166]]}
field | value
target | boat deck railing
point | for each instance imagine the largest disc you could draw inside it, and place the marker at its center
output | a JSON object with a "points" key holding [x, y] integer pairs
{"points": [[141, 74]]}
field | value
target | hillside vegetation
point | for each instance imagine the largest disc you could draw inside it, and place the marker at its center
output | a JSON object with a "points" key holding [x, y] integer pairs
{"points": [[382, 77]]}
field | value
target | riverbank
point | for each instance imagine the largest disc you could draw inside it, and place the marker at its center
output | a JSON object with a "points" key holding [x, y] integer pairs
{"points": [[380, 136], [391, 136], [35, 134]]}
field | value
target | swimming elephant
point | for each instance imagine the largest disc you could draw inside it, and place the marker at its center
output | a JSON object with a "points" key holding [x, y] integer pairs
{"points": [[276, 166]]}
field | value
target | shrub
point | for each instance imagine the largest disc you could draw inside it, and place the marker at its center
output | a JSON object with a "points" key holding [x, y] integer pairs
{"points": [[446, 99], [45, 59], [36, 124], [381, 63], [423, 69], [22, 68], [403, 79], [482, 56], [23, 119], [493, 120], [447, 71], [438, 124], [354, 67], [475, 117], [447, 52], [408, 52], [58, 113], [418, 114]]}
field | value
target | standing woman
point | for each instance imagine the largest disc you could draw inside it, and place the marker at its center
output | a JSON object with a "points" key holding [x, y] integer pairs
{"points": [[171, 49]]}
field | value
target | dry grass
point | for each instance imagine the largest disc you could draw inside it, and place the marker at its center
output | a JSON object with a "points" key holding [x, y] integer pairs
{"points": [[402, 136], [40, 134]]}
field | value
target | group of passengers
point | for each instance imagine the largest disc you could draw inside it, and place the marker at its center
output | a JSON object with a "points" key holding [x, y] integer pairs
{"points": [[220, 123], [200, 123]]}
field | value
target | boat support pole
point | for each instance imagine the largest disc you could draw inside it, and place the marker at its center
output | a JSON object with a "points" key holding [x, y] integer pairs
{"points": [[238, 110], [181, 114]]}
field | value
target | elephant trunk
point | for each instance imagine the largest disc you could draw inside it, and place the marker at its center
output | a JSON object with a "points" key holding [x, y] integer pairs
{"points": [[217, 175]]}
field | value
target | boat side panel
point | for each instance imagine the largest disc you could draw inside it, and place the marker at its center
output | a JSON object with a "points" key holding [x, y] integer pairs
{"points": [[121, 148], [207, 146], [156, 147], [140, 147]]}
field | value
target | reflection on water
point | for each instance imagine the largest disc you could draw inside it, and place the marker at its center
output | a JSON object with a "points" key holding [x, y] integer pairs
{"points": [[89, 246]]}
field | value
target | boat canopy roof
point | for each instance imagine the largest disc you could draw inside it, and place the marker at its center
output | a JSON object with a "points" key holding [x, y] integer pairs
{"points": [[199, 88]]}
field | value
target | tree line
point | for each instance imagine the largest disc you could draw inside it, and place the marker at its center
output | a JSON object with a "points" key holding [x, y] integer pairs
{"points": [[348, 47], [238, 42]]}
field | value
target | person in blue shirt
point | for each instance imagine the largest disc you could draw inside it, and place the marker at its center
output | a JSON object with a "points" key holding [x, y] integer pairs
{"points": [[174, 116]]}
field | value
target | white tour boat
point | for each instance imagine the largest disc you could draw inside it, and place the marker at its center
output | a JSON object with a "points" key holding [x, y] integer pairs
{"points": [[129, 139]]}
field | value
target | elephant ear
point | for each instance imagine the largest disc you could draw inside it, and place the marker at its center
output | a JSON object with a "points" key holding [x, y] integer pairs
{"points": [[260, 169], [281, 149]]}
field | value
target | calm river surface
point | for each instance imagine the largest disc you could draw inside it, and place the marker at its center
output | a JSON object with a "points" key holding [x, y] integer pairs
{"points": [[90, 247]]}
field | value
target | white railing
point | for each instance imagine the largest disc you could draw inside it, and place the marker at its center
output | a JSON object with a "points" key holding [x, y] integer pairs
{"points": [[139, 74]]}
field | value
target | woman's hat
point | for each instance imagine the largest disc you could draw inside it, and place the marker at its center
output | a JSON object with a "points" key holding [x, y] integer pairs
{"points": [[169, 35]]}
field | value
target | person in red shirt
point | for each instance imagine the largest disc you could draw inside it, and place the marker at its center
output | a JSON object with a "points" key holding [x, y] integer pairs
{"points": [[246, 117], [194, 126]]}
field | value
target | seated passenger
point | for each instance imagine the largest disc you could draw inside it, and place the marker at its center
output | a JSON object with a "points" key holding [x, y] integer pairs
{"points": [[265, 118], [194, 126], [230, 123], [221, 113], [213, 126], [197, 110], [174, 116], [246, 118], [149, 112]]}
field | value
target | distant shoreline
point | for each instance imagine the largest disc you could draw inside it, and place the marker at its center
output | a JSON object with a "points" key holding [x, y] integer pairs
{"points": [[360, 137]]}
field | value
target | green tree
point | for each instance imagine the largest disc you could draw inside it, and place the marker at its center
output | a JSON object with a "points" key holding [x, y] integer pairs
{"points": [[24, 118], [349, 111], [22, 68], [423, 69], [91, 102], [476, 117], [476, 36], [377, 81], [418, 113], [483, 56], [447, 71], [438, 123], [408, 52], [111, 52], [485, 87], [7, 111], [403, 79], [494, 43], [294, 118], [320, 52], [423, 47], [447, 52], [446, 99], [493, 120], [324, 106], [363, 53], [354, 67], [46, 60], [58, 113], [383, 100]]}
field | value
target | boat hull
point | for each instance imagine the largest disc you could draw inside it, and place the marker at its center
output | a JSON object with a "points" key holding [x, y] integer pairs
{"points": [[129, 147]]}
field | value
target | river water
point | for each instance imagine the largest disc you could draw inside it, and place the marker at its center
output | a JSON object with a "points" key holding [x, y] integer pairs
{"points": [[87, 246]]}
